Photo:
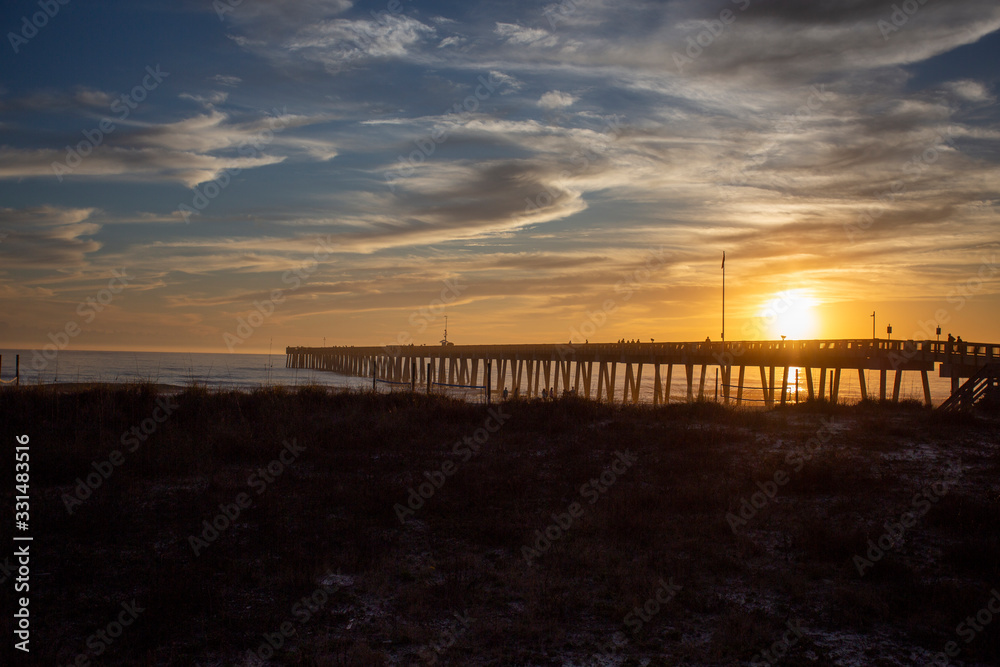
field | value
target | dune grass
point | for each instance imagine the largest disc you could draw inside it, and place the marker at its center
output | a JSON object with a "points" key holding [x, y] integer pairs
{"points": [[334, 509]]}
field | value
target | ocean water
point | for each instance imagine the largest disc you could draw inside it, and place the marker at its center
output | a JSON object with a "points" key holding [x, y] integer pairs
{"points": [[180, 369], [249, 371]]}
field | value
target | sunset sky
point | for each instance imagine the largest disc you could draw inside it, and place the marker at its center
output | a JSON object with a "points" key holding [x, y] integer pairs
{"points": [[552, 171]]}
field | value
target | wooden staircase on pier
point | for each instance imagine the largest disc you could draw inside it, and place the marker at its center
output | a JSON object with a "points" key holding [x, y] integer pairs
{"points": [[981, 390]]}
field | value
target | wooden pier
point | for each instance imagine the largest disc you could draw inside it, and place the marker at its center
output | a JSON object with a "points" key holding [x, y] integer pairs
{"points": [[527, 369]]}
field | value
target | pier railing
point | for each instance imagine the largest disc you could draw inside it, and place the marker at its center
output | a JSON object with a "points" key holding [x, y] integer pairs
{"points": [[467, 364]]}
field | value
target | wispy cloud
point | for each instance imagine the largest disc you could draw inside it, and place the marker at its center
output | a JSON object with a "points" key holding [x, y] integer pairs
{"points": [[53, 237], [227, 80]]}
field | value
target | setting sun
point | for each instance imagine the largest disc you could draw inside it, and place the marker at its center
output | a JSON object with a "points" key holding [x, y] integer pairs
{"points": [[791, 314]]}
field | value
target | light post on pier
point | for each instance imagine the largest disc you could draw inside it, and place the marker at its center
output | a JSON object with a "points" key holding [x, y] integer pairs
{"points": [[725, 369]]}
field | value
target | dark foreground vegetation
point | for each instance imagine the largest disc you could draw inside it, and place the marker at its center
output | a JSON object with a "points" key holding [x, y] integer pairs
{"points": [[375, 529]]}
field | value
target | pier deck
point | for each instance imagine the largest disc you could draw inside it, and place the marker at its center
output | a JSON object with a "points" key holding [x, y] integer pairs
{"points": [[526, 369]]}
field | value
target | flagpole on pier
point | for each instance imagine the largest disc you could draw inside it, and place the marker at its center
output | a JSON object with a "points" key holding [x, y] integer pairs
{"points": [[723, 296]]}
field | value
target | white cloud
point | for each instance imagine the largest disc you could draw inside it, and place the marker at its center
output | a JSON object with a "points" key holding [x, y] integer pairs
{"points": [[94, 98], [512, 83], [340, 41], [555, 99], [970, 91]]}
